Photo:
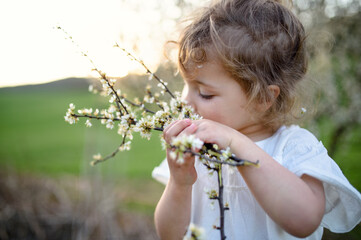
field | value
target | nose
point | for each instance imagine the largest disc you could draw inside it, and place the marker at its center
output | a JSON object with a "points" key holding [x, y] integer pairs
{"points": [[187, 96]]}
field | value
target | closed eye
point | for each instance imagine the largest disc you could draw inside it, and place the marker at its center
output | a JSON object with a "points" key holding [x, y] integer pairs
{"points": [[205, 96]]}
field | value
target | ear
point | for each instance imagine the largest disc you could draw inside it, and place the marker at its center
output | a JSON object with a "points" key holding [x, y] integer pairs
{"points": [[275, 92]]}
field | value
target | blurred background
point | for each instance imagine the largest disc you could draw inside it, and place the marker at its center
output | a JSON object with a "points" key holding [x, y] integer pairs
{"points": [[48, 190]]}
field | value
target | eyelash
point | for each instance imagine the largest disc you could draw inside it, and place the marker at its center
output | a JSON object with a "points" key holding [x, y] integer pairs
{"points": [[206, 97]]}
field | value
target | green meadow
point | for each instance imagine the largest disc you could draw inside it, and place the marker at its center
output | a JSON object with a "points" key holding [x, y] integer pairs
{"points": [[35, 140]]}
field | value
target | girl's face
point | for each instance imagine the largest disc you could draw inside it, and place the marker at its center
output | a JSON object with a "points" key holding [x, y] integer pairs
{"points": [[216, 96]]}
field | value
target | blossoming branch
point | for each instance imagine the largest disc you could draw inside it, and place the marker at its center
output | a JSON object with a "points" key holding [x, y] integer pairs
{"points": [[129, 116]]}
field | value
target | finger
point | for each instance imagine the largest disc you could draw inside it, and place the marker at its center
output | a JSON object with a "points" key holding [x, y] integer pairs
{"points": [[198, 122], [166, 130], [170, 125], [176, 129], [190, 129]]}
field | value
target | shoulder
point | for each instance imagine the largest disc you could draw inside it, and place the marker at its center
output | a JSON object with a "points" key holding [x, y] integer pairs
{"points": [[293, 145], [288, 138], [297, 137], [296, 133]]}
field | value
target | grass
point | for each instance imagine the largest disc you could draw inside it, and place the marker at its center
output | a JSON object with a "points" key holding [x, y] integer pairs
{"points": [[35, 138]]}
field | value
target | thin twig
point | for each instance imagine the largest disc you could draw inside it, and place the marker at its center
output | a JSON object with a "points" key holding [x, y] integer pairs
{"points": [[239, 162], [220, 199], [131, 56], [141, 105], [102, 75], [93, 163], [95, 117]]}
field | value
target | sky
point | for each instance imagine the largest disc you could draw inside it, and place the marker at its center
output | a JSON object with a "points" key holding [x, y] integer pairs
{"points": [[32, 51]]}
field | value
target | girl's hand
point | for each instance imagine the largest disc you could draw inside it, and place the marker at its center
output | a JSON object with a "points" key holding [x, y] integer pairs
{"points": [[182, 174], [213, 132]]}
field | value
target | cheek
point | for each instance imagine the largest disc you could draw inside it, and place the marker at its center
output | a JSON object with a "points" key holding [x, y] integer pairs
{"points": [[230, 115], [214, 112]]}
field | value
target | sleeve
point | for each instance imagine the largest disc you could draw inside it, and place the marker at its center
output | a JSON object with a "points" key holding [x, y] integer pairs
{"points": [[306, 155], [161, 173]]}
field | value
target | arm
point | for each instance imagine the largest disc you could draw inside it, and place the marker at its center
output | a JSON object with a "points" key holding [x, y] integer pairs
{"points": [[295, 204], [172, 214]]}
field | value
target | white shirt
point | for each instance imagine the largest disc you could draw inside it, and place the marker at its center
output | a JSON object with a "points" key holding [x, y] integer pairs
{"points": [[299, 151]]}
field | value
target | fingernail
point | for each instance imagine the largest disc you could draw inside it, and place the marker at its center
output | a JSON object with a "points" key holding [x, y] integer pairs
{"points": [[188, 121]]}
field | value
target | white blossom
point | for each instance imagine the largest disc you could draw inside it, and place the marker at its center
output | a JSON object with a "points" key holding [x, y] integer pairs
{"points": [[303, 110], [122, 128], [226, 154], [161, 85], [144, 126], [125, 146], [164, 105], [88, 123], [197, 143], [112, 98], [196, 233], [109, 91], [110, 124], [70, 119], [173, 154], [176, 105], [183, 143], [112, 81], [162, 118], [69, 116], [112, 109], [103, 82], [128, 119], [163, 143], [97, 157], [212, 194], [87, 111], [130, 135], [150, 76], [148, 99]]}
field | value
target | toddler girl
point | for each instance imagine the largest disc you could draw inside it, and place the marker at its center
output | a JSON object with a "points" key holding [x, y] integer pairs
{"points": [[241, 61]]}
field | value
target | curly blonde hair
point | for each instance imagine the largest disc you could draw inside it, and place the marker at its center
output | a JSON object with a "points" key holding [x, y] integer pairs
{"points": [[258, 42]]}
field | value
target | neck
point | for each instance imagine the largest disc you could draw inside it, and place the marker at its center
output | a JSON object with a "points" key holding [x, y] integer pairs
{"points": [[258, 132]]}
